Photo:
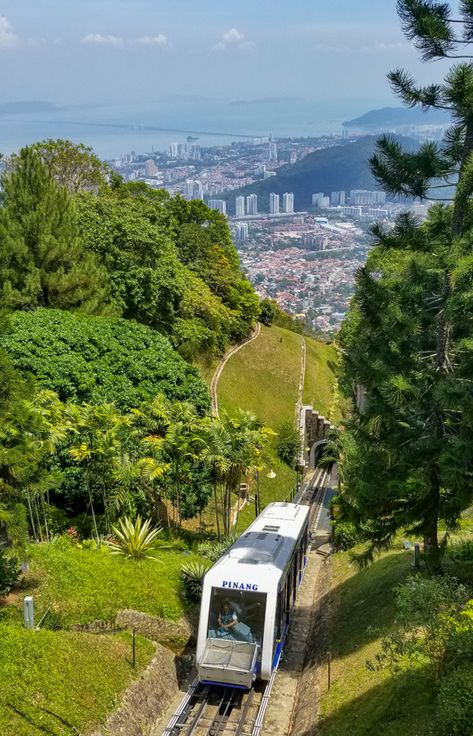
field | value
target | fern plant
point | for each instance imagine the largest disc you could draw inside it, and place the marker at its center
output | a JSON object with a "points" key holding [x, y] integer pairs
{"points": [[134, 539]]}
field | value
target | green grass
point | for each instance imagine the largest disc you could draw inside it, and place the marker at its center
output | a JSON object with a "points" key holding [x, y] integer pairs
{"points": [[319, 376], [47, 676], [361, 702], [263, 377], [86, 585]]}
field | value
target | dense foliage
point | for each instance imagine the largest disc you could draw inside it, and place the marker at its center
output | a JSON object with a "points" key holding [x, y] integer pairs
{"points": [[434, 630], [97, 359], [172, 265], [407, 345]]}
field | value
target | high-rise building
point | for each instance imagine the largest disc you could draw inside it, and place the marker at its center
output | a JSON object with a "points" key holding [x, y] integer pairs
{"points": [[198, 190], [241, 231], [240, 206], [367, 198], [173, 150], [150, 167], [252, 204], [337, 199], [218, 204], [323, 203], [274, 203], [272, 151], [293, 157], [316, 197], [288, 202], [194, 189]]}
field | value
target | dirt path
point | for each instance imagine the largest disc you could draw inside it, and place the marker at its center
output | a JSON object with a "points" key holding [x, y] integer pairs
{"points": [[218, 372]]}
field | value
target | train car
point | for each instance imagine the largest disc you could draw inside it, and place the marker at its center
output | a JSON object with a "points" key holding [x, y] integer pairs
{"points": [[248, 596]]}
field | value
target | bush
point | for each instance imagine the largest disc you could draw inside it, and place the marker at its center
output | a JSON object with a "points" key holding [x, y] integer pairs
{"points": [[344, 535], [100, 359], [288, 443], [214, 550], [9, 573], [191, 576], [463, 550], [455, 703]]}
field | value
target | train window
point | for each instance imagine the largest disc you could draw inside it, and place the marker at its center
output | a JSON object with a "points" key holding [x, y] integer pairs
{"points": [[237, 615]]}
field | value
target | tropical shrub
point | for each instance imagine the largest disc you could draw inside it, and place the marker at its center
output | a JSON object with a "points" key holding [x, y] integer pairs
{"points": [[344, 535], [99, 360], [455, 703], [288, 443], [191, 576], [213, 550], [136, 539], [9, 572]]}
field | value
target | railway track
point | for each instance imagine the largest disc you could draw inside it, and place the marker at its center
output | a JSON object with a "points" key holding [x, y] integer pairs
{"points": [[212, 710]]}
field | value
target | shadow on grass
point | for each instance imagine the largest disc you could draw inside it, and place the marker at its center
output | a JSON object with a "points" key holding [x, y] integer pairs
{"points": [[362, 607], [42, 726], [401, 705]]}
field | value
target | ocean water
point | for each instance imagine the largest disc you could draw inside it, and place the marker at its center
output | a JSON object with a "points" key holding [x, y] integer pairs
{"points": [[112, 130]]}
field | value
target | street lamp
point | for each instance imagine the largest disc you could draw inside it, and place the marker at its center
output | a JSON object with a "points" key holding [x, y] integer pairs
{"points": [[269, 475]]}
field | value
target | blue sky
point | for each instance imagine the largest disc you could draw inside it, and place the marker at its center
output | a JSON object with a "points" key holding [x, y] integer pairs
{"points": [[86, 51]]}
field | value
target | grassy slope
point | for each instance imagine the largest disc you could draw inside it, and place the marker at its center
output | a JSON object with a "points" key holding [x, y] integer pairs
{"points": [[85, 585], [78, 676], [263, 378], [361, 702], [319, 377]]}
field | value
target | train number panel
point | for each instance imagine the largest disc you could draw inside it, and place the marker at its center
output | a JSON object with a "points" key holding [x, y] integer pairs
{"points": [[248, 596]]}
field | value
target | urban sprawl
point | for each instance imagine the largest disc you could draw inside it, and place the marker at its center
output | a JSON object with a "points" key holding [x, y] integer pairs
{"points": [[305, 260]]}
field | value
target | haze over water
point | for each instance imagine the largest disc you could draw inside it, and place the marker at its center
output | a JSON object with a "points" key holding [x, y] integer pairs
{"points": [[112, 130]]}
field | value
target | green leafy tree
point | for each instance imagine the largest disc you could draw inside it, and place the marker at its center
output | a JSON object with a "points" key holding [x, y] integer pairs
{"points": [[73, 165], [42, 260], [407, 342]]}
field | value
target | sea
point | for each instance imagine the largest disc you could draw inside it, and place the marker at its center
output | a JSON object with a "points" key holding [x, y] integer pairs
{"points": [[112, 130]]}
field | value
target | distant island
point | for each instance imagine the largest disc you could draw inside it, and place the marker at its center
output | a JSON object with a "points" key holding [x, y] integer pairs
{"points": [[396, 117], [15, 108]]}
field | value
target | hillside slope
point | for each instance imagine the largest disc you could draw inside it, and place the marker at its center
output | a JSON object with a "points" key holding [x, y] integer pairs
{"points": [[263, 377]]}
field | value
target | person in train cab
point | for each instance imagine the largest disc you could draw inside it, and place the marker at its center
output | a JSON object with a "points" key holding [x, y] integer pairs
{"points": [[227, 619]]}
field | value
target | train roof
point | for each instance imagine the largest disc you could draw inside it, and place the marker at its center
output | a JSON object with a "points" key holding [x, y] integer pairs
{"points": [[264, 549]]}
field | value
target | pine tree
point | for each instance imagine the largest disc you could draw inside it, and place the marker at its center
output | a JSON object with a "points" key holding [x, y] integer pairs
{"points": [[42, 260], [407, 461]]}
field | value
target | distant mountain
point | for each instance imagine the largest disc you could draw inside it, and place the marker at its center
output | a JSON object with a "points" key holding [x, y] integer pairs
{"points": [[397, 117], [343, 166]]}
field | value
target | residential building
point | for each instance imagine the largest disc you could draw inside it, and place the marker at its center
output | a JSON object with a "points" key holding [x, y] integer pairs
{"points": [[316, 197], [252, 204], [240, 206], [218, 204], [274, 203], [337, 199], [288, 202], [150, 168], [241, 231], [272, 151]]}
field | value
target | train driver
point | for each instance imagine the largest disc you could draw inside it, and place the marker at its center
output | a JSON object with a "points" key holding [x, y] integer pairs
{"points": [[227, 619]]}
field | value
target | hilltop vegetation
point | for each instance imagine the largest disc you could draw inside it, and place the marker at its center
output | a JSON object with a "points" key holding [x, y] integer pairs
{"points": [[328, 170]]}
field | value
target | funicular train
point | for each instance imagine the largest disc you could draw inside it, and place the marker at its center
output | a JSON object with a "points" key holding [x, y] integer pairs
{"points": [[248, 596]]}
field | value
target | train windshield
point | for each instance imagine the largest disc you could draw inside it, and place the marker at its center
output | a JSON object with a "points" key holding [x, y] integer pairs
{"points": [[237, 615]]}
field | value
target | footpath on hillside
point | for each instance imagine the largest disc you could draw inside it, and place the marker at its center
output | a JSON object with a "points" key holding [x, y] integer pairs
{"points": [[218, 371]]}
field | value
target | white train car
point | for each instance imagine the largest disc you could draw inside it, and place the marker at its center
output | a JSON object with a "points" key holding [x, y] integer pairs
{"points": [[248, 596]]}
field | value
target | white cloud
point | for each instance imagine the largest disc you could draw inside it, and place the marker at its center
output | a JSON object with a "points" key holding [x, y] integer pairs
{"points": [[99, 39], [233, 39], [159, 40], [8, 38]]}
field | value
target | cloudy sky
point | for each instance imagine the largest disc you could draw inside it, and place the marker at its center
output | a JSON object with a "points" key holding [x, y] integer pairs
{"points": [[86, 51]]}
